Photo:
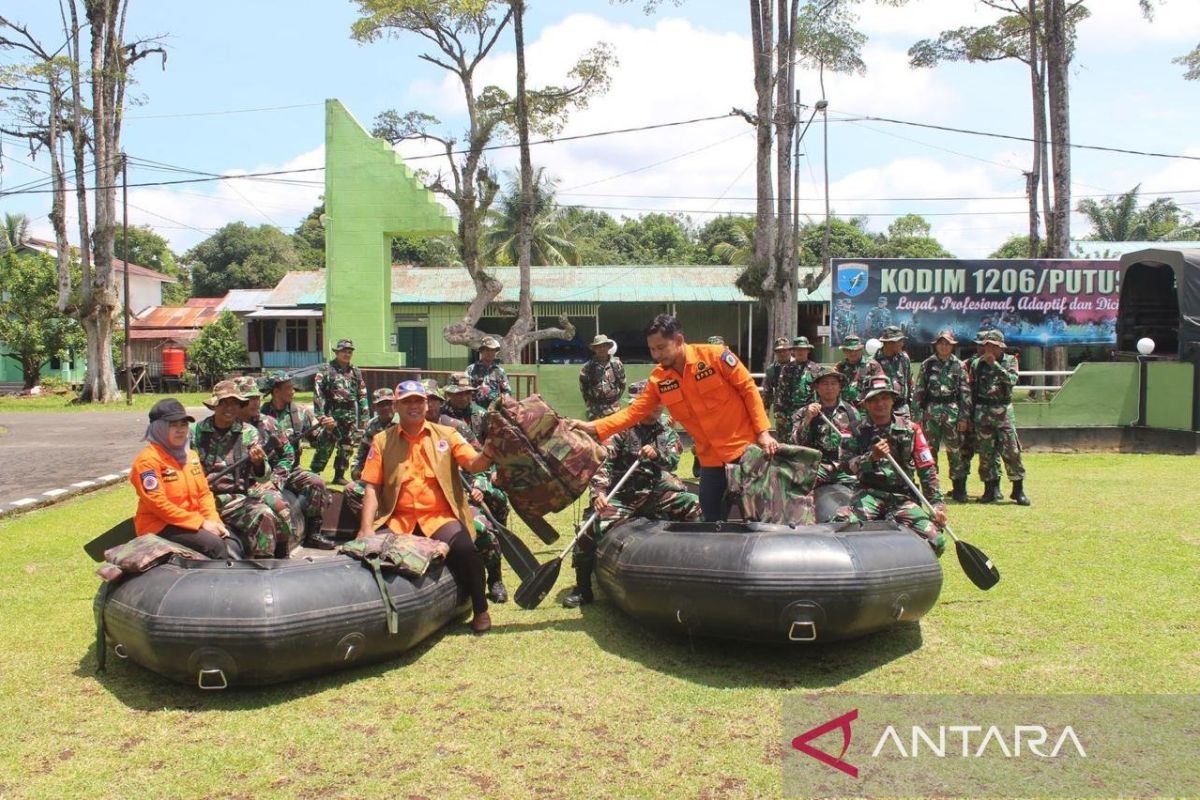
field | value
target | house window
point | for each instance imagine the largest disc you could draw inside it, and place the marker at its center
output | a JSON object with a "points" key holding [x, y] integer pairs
{"points": [[297, 335]]}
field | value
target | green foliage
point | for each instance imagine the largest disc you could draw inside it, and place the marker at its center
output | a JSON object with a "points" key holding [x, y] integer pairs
{"points": [[426, 251], [32, 329], [726, 240], [14, 231], [309, 240], [658, 239], [1013, 247], [1118, 219], [1191, 61], [826, 37], [597, 236], [909, 237], [240, 257], [148, 249], [552, 242], [218, 349], [54, 384]]}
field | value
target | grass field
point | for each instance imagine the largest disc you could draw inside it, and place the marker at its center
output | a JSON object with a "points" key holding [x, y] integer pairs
{"points": [[141, 402], [1099, 595]]}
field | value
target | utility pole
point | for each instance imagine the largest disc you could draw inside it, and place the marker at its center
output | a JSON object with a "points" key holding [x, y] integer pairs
{"points": [[125, 259], [824, 106]]}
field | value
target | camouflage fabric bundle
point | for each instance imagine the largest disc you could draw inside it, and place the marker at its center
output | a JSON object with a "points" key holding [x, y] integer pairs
{"points": [[403, 553], [140, 554], [775, 489], [541, 463]]}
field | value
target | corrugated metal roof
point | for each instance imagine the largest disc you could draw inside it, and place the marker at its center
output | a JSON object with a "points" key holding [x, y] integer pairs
{"points": [[50, 248], [167, 334], [175, 317], [594, 284], [240, 301]]}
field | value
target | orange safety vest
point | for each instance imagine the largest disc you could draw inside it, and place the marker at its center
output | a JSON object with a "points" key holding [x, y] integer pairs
{"points": [[169, 494]]}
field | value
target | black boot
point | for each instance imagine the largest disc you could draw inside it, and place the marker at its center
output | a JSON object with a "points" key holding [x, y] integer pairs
{"points": [[581, 593], [1018, 493], [959, 494], [496, 591], [319, 541], [991, 492], [339, 479]]}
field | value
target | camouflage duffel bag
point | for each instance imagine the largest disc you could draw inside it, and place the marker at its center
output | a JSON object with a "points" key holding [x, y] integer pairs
{"points": [[140, 554], [403, 553], [775, 489], [541, 463]]}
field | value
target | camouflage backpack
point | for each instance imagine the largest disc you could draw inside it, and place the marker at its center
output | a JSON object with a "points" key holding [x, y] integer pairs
{"points": [[777, 489], [543, 464], [140, 554], [388, 552]]}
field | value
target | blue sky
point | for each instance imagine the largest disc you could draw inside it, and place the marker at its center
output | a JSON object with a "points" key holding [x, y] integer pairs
{"points": [[682, 62]]}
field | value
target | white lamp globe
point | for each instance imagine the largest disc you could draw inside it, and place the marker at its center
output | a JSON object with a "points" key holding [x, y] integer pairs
{"points": [[1145, 345], [873, 346]]}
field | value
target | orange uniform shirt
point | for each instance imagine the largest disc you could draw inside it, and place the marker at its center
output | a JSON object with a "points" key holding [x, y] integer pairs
{"points": [[169, 494], [714, 399], [422, 501]]}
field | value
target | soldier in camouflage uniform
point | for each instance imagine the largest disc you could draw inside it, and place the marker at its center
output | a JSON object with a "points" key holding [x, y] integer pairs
{"points": [[795, 385], [486, 375], [855, 368], [602, 379], [770, 387], [221, 440], [461, 405], [339, 393], [653, 491], [879, 318], [992, 380], [891, 361], [716, 340], [942, 397], [272, 442], [845, 322], [882, 493], [383, 401], [811, 430]]}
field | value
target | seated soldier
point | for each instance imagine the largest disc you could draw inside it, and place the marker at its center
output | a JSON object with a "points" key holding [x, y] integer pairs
{"points": [[653, 491], [385, 414], [223, 440], [270, 490], [811, 426], [174, 500], [483, 491], [882, 493], [413, 486], [461, 405]]}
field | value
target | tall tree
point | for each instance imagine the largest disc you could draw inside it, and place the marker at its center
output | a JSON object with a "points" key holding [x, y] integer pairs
{"points": [[910, 236], [551, 241], [32, 329], [147, 248], [1118, 219], [240, 257], [1191, 62], [14, 231]]}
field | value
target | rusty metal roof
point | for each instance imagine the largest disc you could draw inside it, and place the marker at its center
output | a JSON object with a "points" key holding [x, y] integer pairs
{"points": [[50, 248], [177, 317]]}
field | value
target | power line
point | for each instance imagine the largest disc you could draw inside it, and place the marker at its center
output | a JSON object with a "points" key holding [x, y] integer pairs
{"points": [[222, 113]]}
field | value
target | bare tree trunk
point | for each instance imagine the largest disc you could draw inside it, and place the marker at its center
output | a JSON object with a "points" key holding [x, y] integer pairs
{"points": [[1058, 55], [784, 300], [762, 18], [1038, 90]]}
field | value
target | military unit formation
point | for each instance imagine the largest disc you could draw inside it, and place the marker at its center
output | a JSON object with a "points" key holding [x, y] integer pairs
{"points": [[417, 460]]}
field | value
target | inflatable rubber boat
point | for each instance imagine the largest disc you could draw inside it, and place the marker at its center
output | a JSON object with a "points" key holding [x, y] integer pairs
{"points": [[768, 583], [219, 623]]}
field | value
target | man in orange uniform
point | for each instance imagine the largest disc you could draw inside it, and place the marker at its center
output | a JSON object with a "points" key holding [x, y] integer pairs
{"points": [[174, 500], [710, 393], [412, 485]]}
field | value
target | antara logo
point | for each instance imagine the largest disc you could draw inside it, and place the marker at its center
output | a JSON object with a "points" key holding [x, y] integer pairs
{"points": [[842, 723]]}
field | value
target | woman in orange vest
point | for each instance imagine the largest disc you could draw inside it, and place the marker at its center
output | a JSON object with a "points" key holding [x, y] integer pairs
{"points": [[174, 500]]}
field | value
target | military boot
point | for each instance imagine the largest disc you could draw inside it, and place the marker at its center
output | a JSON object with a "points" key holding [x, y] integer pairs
{"points": [[959, 493], [1018, 493], [581, 593], [496, 590], [319, 541], [339, 479], [991, 492]]}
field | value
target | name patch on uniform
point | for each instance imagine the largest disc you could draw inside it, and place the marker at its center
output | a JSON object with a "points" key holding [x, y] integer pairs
{"points": [[149, 480], [729, 358], [703, 372], [669, 385], [442, 445], [169, 475]]}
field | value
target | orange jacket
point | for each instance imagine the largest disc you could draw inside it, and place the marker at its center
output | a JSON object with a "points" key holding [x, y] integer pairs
{"points": [[715, 400], [168, 494]]}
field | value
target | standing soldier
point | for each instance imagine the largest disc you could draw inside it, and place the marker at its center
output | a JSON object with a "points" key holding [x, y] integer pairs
{"points": [[845, 322], [992, 382], [879, 318], [892, 361], [602, 380], [854, 368], [486, 375], [382, 401], [942, 399], [461, 405], [653, 491], [771, 394], [811, 430], [882, 493], [220, 441], [795, 384], [340, 394]]}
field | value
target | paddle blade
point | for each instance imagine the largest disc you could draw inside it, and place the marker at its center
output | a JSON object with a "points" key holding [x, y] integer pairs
{"points": [[542, 529], [531, 592], [516, 553], [977, 566], [120, 533]]}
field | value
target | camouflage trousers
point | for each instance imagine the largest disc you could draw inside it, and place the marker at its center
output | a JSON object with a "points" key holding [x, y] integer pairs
{"points": [[999, 443], [658, 501], [352, 496], [344, 436], [309, 487], [868, 505], [487, 544], [939, 432], [828, 472], [596, 411], [261, 518]]}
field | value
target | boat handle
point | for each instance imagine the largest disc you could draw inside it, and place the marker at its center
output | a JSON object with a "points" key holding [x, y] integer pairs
{"points": [[796, 636], [219, 673], [349, 650], [120, 650]]}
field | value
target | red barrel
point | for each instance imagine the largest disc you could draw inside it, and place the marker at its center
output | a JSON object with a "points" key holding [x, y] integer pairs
{"points": [[172, 361]]}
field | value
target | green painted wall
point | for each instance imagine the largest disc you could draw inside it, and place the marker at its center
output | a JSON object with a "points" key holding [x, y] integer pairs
{"points": [[1169, 395], [370, 195], [10, 371], [1098, 394]]}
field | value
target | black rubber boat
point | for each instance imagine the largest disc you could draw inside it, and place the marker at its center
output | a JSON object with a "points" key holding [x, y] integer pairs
{"points": [[768, 583], [218, 624]]}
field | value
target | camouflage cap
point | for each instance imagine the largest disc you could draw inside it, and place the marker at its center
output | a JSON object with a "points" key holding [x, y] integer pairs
{"points": [[826, 371], [880, 384], [801, 342], [222, 390], [946, 334], [782, 343], [274, 378], [892, 333], [458, 382], [852, 342], [384, 395], [432, 389], [599, 340], [991, 337], [716, 340], [247, 386], [344, 344], [489, 343]]}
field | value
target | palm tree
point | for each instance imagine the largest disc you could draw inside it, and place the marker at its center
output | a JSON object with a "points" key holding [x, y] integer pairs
{"points": [[14, 231], [1118, 219], [552, 242]]}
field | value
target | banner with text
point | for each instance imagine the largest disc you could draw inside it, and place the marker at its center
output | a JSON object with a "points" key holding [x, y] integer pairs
{"points": [[1034, 302]]}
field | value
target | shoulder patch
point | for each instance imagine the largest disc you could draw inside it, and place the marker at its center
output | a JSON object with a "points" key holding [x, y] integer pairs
{"points": [[149, 480], [729, 358], [442, 445]]}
